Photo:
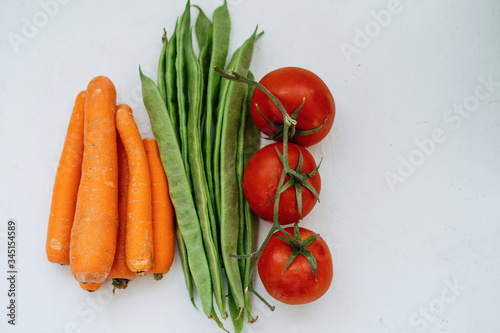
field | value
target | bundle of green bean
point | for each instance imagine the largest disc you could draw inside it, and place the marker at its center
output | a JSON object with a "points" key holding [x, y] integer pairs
{"points": [[206, 136]]}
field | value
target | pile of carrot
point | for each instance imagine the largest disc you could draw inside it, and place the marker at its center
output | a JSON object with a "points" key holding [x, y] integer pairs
{"points": [[111, 214]]}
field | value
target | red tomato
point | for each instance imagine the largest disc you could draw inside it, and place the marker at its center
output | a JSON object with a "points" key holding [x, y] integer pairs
{"points": [[261, 179], [290, 85], [297, 284]]}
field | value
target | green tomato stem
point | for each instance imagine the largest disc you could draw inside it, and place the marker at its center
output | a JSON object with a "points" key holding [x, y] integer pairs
{"points": [[234, 76]]}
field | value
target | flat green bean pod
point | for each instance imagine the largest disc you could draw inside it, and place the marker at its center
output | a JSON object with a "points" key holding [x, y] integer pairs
{"points": [[251, 146], [203, 29], [220, 46], [171, 82], [204, 34], [182, 35], [230, 113], [236, 317], [240, 146], [200, 186], [185, 265], [161, 68], [180, 193]]}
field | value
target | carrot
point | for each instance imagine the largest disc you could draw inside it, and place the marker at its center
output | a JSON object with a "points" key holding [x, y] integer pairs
{"points": [[120, 273], [139, 234], [90, 287], [93, 236], [163, 213], [65, 191]]}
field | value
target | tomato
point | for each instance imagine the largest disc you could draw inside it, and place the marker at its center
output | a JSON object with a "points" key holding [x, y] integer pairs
{"points": [[261, 180], [290, 85], [297, 284]]}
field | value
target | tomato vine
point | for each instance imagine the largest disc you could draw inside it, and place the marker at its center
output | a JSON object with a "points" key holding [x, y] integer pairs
{"points": [[296, 179]]}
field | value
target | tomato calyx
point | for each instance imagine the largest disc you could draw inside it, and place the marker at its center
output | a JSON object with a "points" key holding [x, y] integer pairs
{"points": [[279, 133], [299, 247], [296, 179], [292, 130]]}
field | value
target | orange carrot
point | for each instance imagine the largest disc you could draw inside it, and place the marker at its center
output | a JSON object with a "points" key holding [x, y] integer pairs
{"points": [[90, 287], [93, 236], [64, 194], [120, 273], [163, 213], [139, 234]]}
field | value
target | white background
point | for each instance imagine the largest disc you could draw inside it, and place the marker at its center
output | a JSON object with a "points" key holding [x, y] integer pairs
{"points": [[420, 256]]}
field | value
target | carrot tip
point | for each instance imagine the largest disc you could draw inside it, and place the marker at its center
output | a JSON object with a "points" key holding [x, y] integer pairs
{"points": [[158, 276], [90, 286], [119, 284]]}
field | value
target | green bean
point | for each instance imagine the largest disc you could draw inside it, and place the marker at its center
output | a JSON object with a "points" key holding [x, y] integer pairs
{"points": [[200, 186], [204, 35], [182, 35], [229, 117], [240, 146], [247, 144], [161, 68], [220, 47], [252, 134], [203, 28], [217, 149], [237, 319], [251, 225], [252, 145], [185, 265], [171, 82], [180, 193]]}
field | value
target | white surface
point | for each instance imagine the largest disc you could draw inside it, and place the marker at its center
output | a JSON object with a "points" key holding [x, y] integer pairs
{"points": [[397, 254]]}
